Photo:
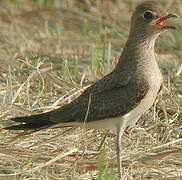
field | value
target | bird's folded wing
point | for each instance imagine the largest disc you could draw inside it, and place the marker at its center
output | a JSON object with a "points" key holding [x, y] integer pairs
{"points": [[96, 103], [107, 98]]}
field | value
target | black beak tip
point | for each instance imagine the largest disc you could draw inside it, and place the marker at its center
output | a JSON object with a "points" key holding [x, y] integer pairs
{"points": [[172, 15]]}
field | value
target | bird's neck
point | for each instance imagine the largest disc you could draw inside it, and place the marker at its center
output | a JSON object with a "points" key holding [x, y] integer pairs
{"points": [[138, 50]]}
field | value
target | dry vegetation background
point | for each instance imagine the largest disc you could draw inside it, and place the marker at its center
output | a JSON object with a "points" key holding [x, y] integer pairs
{"points": [[50, 51]]}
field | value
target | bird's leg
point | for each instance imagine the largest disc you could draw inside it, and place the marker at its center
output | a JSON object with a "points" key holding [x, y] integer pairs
{"points": [[118, 151], [120, 130]]}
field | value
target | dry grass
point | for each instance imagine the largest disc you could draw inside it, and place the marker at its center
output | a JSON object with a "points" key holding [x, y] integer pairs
{"points": [[48, 56]]}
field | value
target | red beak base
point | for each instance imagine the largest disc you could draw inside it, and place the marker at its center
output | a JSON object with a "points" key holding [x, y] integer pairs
{"points": [[160, 21]]}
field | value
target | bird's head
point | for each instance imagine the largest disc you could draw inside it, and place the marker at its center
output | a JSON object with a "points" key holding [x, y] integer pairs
{"points": [[151, 19]]}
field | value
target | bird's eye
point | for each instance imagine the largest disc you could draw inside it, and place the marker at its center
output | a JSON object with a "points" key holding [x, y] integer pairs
{"points": [[148, 15]]}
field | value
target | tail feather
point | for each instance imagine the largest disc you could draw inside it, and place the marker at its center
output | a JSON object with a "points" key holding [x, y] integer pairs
{"points": [[35, 122], [35, 119], [44, 120], [25, 127]]}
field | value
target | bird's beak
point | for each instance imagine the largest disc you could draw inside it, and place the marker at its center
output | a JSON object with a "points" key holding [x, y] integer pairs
{"points": [[160, 21]]}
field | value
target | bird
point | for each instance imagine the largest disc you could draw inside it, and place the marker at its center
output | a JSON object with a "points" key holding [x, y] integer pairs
{"points": [[117, 100]]}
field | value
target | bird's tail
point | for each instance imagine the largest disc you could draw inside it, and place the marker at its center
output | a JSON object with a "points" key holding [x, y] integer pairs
{"points": [[34, 122], [44, 120]]}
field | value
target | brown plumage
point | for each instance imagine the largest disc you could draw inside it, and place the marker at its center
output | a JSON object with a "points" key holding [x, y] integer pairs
{"points": [[118, 99]]}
